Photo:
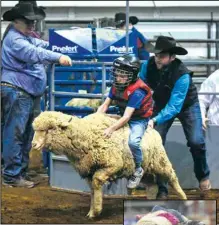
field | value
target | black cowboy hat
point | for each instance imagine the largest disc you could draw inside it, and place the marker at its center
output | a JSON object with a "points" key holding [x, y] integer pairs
{"points": [[120, 19], [165, 44], [38, 9], [24, 10]]}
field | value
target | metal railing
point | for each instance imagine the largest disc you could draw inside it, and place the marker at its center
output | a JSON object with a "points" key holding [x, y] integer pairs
{"points": [[54, 93]]}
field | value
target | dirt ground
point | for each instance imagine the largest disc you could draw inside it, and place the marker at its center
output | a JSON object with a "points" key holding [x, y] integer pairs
{"points": [[43, 205]]}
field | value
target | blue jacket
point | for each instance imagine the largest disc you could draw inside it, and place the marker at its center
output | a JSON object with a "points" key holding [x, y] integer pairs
{"points": [[177, 97]]}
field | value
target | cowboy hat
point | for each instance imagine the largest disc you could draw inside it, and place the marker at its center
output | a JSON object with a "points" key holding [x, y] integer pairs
{"points": [[166, 44], [24, 10], [38, 9], [120, 19]]}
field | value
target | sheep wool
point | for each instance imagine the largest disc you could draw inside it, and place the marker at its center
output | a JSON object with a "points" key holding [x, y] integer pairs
{"points": [[84, 102]]}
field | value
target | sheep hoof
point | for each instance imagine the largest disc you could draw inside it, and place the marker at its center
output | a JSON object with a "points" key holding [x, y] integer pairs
{"points": [[90, 214]]}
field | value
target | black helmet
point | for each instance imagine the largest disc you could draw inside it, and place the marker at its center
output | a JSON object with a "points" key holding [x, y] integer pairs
{"points": [[125, 66]]}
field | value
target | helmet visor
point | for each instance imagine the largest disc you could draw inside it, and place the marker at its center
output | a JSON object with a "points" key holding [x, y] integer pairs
{"points": [[121, 78]]}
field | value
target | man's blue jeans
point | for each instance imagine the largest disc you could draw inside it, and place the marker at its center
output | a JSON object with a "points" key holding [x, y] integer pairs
{"points": [[191, 121], [137, 129], [17, 132]]}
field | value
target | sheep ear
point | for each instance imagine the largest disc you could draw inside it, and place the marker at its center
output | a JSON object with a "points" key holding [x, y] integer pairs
{"points": [[65, 123]]}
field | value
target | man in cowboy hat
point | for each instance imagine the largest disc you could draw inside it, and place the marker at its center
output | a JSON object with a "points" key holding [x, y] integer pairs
{"points": [[120, 23], [23, 80], [175, 95], [38, 10]]}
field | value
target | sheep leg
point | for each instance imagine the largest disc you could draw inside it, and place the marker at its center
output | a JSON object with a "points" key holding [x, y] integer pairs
{"points": [[172, 179], [174, 183], [164, 167], [90, 213], [99, 178]]}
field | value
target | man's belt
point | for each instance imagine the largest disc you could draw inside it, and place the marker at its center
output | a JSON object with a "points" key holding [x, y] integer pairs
{"points": [[15, 87]]}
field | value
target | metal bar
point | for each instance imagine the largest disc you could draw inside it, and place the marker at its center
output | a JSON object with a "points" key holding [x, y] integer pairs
{"points": [[208, 93], [52, 88], [208, 46], [127, 27], [197, 62], [185, 61], [88, 95], [103, 81], [77, 69], [79, 109], [60, 158], [86, 62], [68, 21], [111, 55], [80, 82], [192, 40], [177, 20], [140, 20], [210, 62], [217, 44], [75, 94]]}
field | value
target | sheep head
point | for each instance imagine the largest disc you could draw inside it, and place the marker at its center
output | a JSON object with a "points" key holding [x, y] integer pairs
{"points": [[48, 120]]}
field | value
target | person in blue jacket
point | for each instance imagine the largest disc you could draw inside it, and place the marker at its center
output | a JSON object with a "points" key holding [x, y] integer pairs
{"points": [[23, 80], [120, 23], [175, 95]]}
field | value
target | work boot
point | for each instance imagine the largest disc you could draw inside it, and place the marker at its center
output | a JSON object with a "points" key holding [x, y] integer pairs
{"points": [[135, 179], [19, 183]]}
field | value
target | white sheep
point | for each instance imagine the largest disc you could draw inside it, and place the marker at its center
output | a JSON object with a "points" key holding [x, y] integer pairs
{"points": [[96, 158]]}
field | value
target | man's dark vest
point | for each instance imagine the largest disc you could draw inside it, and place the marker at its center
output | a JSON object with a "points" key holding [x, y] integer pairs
{"points": [[121, 98], [163, 81]]}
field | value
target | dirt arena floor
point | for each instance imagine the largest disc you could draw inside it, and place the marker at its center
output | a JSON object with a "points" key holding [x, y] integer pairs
{"points": [[43, 205]]}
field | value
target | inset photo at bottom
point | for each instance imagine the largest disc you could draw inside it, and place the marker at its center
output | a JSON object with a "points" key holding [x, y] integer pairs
{"points": [[174, 212]]}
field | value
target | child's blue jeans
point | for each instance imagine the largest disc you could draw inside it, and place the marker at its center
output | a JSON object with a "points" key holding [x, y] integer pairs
{"points": [[137, 129]]}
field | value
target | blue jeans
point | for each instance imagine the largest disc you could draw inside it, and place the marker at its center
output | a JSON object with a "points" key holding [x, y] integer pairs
{"points": [[191, 121], [17, 132], [137, 129]]}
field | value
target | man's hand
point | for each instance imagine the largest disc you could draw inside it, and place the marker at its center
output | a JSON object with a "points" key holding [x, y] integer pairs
{"points": [[65, 60], [151, 123], [108, 132], [205, 123]]}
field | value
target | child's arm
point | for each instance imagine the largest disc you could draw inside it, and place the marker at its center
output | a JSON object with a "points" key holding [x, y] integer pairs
{"points": [[121, 122], [104, 107]]}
